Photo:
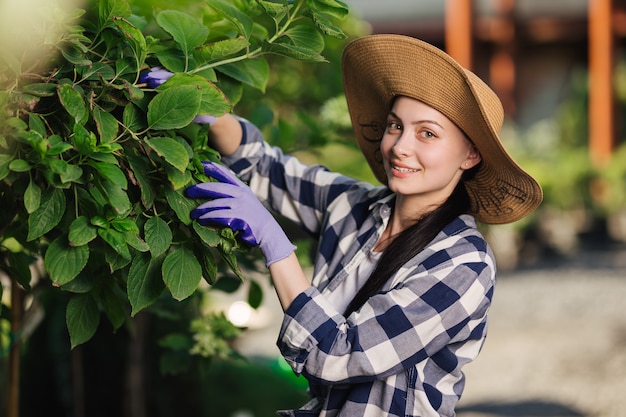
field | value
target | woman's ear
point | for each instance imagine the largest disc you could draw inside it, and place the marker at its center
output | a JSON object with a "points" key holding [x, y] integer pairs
{"points": [[473, 158]]}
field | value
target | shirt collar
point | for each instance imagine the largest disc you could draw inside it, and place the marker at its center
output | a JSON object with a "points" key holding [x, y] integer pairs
{"points": [[382, 207]]}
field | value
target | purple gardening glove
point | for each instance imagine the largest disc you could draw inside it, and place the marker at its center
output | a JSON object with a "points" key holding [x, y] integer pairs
{"points": [[234, 205], [157, 76]]}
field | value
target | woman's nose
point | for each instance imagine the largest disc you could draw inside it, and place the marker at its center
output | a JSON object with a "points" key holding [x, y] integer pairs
{"points": [[401, 147]]}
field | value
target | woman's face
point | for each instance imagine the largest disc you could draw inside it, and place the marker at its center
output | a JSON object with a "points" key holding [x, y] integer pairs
{"points": [[424, 153]]}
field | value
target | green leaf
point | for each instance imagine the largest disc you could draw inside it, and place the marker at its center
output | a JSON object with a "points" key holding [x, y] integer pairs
{"points": [[227, 248], [306, 37], [134, 241], [173, 152], [255, 294], [64, 262], [181, 205], [145, 283], [134, 93], [106, 124], [95, 71], [207, 262], [111, 173], [213, 100], [276, 10], [176, 178], [40, 89], [135, 38], [19, 165], [186, 30], [174, 108], [72, 101], [255, 73], [228, 284], [36, 123], [171, 59], [108, 9], [105, 149], [116, 240], [83, 283], [158, 236], [99, 221], [294, 51], [335, 8], [176, 341], [86, 142], [125, 225], [67, 172], [114, 260], [117, 197], [81, 231], [19, 267], [113, 302], [327, 27], [181, 273], [133, 118], [231, 259], [208, 235], [139, 168], [220, 49], [32, 197], [59, 148], [48, 215], [82, 318], [242, 21], [73, 53]]}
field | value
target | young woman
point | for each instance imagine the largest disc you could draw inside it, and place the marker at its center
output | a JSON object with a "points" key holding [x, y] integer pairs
{"points": [[402, 279]]}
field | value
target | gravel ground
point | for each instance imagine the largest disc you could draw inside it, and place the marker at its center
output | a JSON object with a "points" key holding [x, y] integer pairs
{"points": [[556, 345]]}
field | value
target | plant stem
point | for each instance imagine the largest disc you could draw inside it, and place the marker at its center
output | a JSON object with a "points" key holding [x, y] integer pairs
{"points": [[259, 50]]}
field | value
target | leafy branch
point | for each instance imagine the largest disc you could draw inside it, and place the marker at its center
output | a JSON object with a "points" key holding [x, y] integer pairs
{"points": [[94, 164]]}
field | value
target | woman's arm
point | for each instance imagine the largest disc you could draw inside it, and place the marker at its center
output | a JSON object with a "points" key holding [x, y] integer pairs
{"points": [[289, 279], [225, 134]]}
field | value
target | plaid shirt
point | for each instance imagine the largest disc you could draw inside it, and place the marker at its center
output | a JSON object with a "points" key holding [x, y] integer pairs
{"points": [[400, 354]]}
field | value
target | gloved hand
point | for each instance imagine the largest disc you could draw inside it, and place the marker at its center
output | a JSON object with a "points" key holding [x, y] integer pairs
{"points": [[234, 205], [157, 76]]}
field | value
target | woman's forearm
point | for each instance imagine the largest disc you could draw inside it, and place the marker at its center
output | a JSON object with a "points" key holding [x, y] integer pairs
{"points": [[225, 134], [289, 279]]}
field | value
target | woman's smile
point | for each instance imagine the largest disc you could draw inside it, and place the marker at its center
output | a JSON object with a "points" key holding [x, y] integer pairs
{"points": [[401, 170]]}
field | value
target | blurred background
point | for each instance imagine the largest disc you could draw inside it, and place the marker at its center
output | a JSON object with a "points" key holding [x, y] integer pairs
{"points": [[557, 339]]}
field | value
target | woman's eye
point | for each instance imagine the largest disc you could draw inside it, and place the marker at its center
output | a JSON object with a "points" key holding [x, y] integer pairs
{"points": [[393, 127], [426, 134]]}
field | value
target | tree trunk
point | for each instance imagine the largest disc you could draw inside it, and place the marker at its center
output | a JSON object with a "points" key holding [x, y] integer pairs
{"points": [[135, 403], [17, 312]]}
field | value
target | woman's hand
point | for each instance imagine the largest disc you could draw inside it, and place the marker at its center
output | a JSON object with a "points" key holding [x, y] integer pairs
{"points": [[233, 204]]}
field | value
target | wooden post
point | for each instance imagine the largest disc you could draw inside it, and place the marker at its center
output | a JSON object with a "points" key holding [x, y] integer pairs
{"points": [[502, 68], [601, 112], [458, 31]]}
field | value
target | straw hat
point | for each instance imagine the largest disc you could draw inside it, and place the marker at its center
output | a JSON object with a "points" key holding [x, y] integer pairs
{"points": [[377, 68]]}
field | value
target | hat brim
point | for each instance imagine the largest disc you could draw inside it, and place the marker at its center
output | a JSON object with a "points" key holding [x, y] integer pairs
{"points": [[378, 68]]}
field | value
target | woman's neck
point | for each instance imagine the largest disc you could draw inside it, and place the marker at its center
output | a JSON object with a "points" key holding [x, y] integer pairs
{"points": [[405, 214]]}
